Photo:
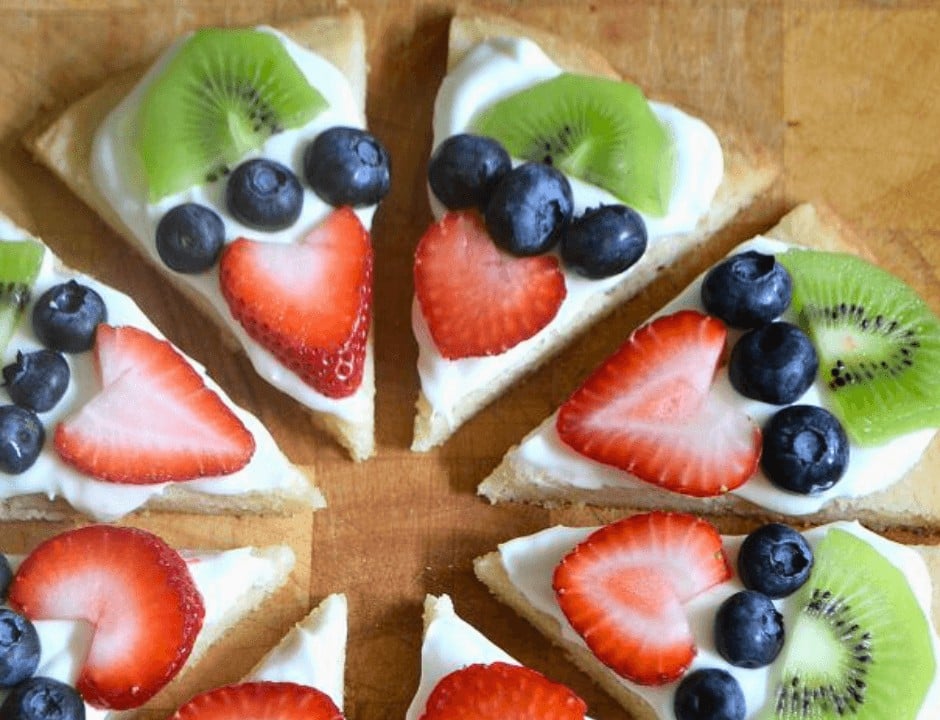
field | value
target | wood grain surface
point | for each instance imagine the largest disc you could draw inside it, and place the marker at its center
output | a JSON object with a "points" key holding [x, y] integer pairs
{"points": [[842, 93]]}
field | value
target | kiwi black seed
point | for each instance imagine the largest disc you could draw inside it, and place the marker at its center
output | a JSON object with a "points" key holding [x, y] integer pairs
{"points": [[220, 96], [859, 645], [598, 130], [878, 344]]}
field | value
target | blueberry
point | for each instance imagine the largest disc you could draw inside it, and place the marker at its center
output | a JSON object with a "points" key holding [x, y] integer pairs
{"points": [[19, 648], [604, 241], [66, 316], [264, 195], [348, 166], [42, 698], [747, 290], [775, 363], [465, 169], [6, 575], [748, 630], [21, 438], [190, 238], [805, 449], [775, 560], [37, 380], [709, 694], [529, 209]]}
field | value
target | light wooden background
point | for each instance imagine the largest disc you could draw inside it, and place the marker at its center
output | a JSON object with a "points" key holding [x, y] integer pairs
{"points": [[844, 95]]}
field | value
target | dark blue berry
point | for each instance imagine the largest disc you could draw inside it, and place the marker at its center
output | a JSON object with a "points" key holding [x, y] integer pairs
{"points": [[604, 241], [747, 290], [465, 169], [264, 195], [348, 166], [709, 694], [775, 560], [775, 363], [6, 575], [42, 698], [37, 380], [19, 648], [805, 449], [190, 238], [748, 630], [66, 316], [529, 209], [21, 438]]}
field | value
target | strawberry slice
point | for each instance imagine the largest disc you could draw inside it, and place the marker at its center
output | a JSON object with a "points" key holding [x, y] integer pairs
{"points": [[154, 419], [623, 587], [137, 592], [476, 299], [260, 701], [651, 409], [308, 303], [501, 691]]}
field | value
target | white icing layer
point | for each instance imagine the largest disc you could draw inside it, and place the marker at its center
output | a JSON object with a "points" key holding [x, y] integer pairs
{"points": [[490, 72], [313, 653], [530, 563], [870, 469], [268, 469], [119, 176]]}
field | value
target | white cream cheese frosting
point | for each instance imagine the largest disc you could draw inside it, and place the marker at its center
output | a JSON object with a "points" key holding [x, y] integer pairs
{"points": [[222, 578], [869, 470], [491, 71], [268, 469], [530, 562], [313, 653], [119, 176]]}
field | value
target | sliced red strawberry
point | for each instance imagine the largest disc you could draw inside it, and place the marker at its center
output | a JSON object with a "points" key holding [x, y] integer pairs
{"points": [[501, 691], [623, 587], [476, 299], [154, 419], [308, 303], [260, 701], [136, 591], [651, 409]]}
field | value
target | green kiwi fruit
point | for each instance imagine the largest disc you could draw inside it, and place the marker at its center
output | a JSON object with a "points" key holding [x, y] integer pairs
{"points": [[20, 261], [860, 646], [878, 344], [221, 95], [597, 130]]}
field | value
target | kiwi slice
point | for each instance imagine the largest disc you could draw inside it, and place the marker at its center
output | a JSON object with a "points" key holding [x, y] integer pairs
{"points": [[878, 344], [222, 94], [598, 130], [19, 267], [860, 646]]}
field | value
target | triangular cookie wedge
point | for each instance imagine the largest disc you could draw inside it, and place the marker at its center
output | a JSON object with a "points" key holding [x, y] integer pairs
{"points": [[135, 425], [479, 330], [461, 668], [315, 348], [172, 607], [715, 470], [527, 573], [304, 672]]}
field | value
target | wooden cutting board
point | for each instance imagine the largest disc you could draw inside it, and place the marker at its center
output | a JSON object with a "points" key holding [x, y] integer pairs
{"points": [[842, 93]]}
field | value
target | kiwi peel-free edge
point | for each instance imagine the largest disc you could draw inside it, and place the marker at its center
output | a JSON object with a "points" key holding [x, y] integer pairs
{"points": [[878, 344], [598, 130]]}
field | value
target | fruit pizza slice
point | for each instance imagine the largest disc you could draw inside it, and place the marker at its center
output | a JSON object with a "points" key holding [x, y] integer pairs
{"points": [[302, 677], [465, 675], [240, 167], [791, 379], [108, 617], [559, 192], [99, 411], [678, 622]]}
